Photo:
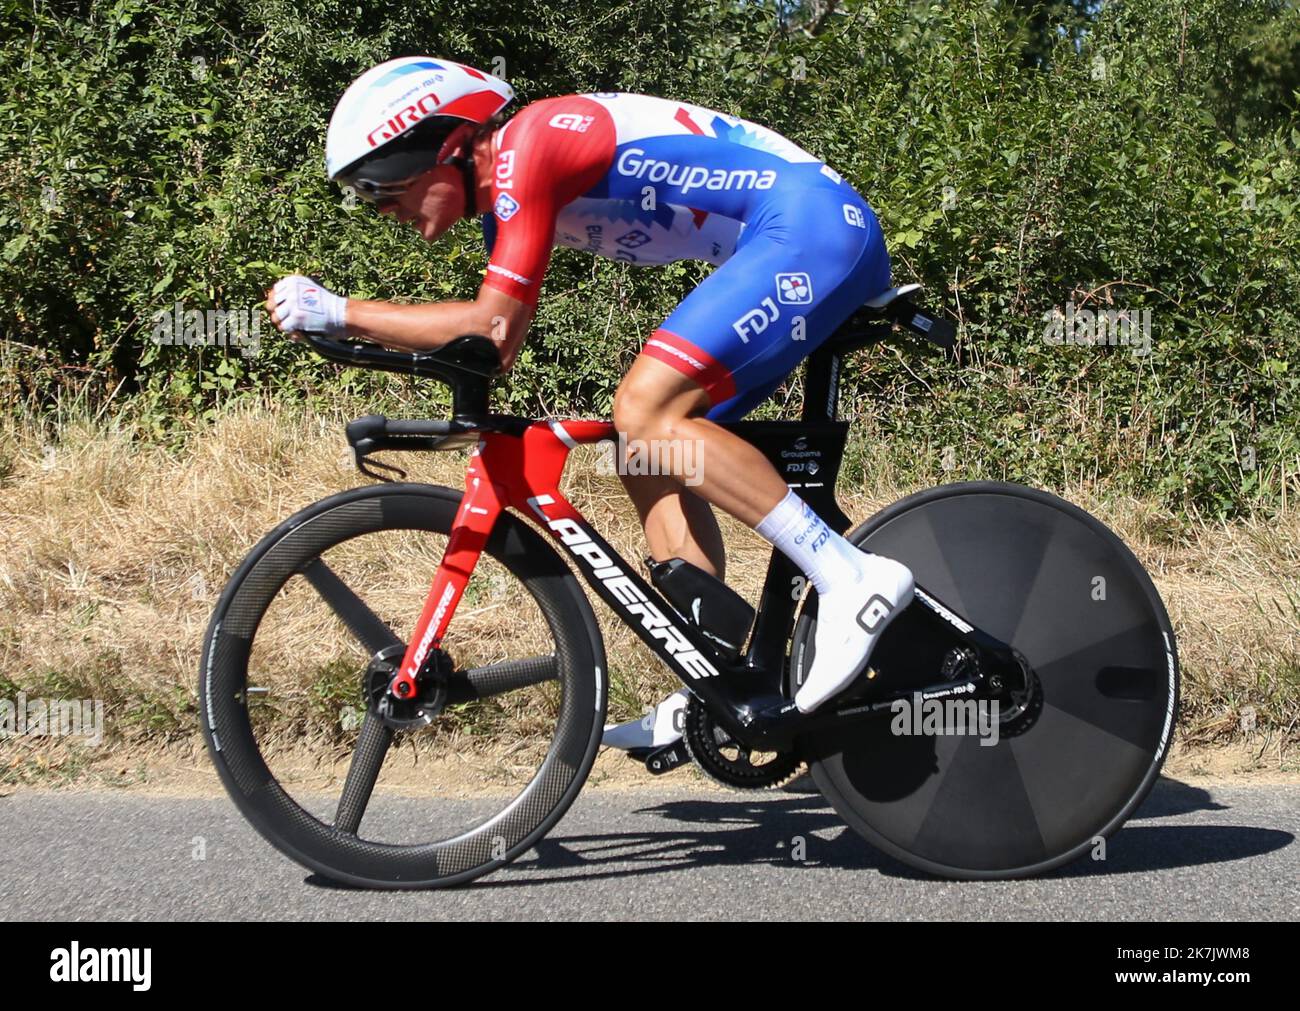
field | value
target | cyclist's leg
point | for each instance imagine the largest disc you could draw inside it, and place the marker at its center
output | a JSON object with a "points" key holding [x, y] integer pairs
{"points": [[652, 402], [677, 522], [661, 412], [805, 264], [800, 270]]}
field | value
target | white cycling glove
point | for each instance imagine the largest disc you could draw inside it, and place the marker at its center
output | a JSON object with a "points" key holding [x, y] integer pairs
{"points": [[303, 303]]}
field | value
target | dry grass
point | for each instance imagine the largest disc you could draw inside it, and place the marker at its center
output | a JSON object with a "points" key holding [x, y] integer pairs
{"points": [[113, 551]]}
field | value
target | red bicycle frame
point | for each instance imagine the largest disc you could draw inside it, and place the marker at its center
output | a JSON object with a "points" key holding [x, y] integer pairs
{"points": [[504, 470]]}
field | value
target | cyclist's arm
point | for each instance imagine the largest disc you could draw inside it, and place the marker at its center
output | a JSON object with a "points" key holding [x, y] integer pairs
{"points": [[543, 163], [494, 314]]}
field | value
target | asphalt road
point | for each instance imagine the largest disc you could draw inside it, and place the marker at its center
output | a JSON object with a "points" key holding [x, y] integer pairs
{"points": [[1192, 852]]}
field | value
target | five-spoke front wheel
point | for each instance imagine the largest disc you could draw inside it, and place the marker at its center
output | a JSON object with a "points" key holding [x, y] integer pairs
{"points": [[409, 797]]}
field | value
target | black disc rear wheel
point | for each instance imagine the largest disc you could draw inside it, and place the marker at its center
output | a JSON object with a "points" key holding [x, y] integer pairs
{"points": [[1060, 588]]}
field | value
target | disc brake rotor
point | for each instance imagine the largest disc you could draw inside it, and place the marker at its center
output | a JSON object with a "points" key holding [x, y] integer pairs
{"points": [[431, 689]]}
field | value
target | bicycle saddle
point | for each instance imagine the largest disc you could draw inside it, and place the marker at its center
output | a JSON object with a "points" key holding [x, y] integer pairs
{"points": [[892, 295], [873, 321]]}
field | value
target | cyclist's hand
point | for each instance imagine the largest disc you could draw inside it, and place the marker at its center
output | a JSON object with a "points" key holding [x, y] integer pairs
{"points": [[299, 303]]}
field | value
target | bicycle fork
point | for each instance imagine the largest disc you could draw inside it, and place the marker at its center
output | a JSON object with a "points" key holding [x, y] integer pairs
{"points": [[523, 471], [504, 470], [469, 534]]}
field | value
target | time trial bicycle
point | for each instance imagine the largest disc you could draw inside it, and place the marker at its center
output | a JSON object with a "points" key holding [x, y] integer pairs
{"points": [[1030, 617]]}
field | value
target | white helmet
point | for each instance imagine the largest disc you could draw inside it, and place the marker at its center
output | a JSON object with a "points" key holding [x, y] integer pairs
{"points": [[392, 124]]}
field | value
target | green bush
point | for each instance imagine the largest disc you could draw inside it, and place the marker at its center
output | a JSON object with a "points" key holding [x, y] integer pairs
{"points": [[1144, 159]]}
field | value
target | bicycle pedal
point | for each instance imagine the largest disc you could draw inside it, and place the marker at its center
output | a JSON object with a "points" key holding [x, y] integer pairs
{"points": [[667, 758]]}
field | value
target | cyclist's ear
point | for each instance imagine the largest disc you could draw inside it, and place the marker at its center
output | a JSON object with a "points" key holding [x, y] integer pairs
{"points": [[457, 139]]}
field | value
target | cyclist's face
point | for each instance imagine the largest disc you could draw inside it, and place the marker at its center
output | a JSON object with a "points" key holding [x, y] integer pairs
{"points": [[433, 203]]}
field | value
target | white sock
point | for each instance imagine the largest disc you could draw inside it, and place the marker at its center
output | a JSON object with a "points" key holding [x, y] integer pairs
{"points": [[859, 593], [801, 535]]}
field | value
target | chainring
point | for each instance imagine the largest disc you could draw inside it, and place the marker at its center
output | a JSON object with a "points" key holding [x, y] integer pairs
{"points": [[725, 761]]}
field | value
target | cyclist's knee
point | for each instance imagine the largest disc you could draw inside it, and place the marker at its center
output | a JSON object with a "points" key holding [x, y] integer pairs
{"points": [[656, 400], [639, 404]]}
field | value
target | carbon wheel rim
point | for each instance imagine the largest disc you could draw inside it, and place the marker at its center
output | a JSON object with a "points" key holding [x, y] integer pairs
{"points": [[297, 827]]}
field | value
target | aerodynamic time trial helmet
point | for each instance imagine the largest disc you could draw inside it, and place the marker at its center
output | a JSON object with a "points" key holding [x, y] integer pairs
{"points": [[394, 122]]}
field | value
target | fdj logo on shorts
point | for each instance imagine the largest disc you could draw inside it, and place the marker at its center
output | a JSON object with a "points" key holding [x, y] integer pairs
{"points": [[756, 320], [506, 206], [793, 289]]}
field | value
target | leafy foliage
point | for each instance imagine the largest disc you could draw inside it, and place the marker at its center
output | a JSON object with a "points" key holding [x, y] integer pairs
{"points": [[1022, 158]]}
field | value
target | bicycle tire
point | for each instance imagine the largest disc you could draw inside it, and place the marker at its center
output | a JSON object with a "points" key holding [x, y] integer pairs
{"points": [[579, 667], [1023, 565]]}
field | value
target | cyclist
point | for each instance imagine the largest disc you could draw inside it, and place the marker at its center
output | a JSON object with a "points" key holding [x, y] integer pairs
{"points": [[644, 180]]}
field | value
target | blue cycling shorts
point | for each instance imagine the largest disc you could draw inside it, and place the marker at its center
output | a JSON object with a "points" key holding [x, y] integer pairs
{"points": [[808, 259]]}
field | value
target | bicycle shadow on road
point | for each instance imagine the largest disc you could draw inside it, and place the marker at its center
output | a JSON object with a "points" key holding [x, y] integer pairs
{"points": [[1137, 848], [1172, 797], [796, 827], [735, 830]]}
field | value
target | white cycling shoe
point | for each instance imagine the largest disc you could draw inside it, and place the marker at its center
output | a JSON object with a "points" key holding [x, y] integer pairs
{"points": [[850, 618], [654, 730]]}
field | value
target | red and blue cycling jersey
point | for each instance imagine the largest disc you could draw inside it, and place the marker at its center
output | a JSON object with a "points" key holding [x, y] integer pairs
{"points": [[648, 180]]}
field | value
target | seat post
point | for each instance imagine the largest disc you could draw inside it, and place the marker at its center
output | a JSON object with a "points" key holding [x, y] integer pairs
{"points": [[822, 368], [821, 383]]}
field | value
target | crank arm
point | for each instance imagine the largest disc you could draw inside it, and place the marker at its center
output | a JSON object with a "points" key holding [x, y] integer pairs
{"points": [[776, 724], [667, 758]]}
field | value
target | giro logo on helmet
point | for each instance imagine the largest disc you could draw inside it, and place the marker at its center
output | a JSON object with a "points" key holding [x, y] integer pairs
{"points": [[391, 123], [404, 120]]}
